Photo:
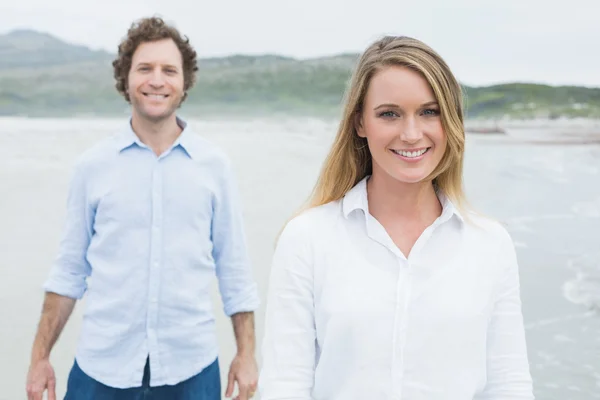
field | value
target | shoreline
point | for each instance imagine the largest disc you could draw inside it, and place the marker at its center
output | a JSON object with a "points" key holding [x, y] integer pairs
{"points": [[565, 131]]}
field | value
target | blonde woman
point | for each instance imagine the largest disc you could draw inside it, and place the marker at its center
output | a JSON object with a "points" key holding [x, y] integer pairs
{"points": [[387, 286]]}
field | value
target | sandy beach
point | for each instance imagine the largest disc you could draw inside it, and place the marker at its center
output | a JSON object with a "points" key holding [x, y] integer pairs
{"points": [[543, 189]]}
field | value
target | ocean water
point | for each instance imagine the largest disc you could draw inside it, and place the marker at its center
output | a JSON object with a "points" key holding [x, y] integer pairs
{"points": [[544, 188]]}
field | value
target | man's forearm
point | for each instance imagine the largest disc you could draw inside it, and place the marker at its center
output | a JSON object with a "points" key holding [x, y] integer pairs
{"points": [[55, 313], [243, 327]]}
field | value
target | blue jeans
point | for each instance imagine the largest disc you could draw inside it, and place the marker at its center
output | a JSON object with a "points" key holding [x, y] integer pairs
{"points": [[204, 386]]}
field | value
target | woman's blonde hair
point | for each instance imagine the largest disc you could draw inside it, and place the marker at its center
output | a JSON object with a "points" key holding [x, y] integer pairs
{"points": [[349, 159]]}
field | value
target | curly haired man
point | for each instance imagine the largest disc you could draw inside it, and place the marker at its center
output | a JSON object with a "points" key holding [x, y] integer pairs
{"points": [[152, 215]]}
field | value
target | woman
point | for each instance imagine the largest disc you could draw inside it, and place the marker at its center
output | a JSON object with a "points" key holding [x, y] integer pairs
{"points": [[387, 286]]}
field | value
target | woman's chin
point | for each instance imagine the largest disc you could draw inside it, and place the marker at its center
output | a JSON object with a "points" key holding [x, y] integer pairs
{"points": [[410, 177]]}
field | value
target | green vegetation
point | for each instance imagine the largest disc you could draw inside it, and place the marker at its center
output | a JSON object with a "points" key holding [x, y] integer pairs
{"points": [[43, 76], [525, 100]]}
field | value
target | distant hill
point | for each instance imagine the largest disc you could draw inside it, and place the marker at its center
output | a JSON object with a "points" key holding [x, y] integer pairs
{"points": [[41, 75], [26, 49]]}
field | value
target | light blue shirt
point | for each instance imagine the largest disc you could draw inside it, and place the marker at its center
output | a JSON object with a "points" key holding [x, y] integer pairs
{"points": [[144, 237]]}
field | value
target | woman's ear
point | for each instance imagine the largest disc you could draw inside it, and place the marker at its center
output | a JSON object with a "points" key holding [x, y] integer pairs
{"points": [[358, 125]]}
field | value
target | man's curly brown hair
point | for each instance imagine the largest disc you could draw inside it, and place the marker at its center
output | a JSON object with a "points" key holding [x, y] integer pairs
{"points": [[151, 30]]}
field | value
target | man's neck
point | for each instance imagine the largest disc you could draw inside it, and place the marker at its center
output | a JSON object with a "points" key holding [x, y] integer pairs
{"points": [[158, 135]]}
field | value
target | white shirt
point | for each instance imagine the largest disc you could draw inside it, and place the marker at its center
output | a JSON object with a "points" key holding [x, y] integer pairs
{"points": [[349, 317]]}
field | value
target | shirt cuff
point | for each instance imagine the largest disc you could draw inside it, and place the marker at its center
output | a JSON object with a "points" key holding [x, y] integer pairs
{"points": [[245, 302], [65, 288]]}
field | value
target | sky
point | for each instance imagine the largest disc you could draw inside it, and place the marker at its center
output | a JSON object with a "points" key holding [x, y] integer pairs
{"points": [[484, 42]]}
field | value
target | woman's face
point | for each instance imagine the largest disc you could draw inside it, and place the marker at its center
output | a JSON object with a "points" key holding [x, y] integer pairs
{"points": [[402, 124]]}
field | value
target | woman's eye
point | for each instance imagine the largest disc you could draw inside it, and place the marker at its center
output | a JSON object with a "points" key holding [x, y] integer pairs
{"points": [[388, 114], [431, 111]]}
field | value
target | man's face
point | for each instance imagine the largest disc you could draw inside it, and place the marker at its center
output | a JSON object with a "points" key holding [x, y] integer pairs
{"points": [[155, 82]]}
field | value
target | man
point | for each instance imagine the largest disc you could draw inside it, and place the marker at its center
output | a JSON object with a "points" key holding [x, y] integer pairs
{"points": [[152, 214]]}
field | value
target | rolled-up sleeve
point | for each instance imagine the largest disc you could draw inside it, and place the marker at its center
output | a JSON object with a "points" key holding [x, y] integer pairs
{"points": [[289, 343], [508, 374], [237, 287], [71, 269]]}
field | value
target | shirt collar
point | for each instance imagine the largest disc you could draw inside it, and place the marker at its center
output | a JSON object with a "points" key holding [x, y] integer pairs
{"points": [[128, 138], [356, 199]]}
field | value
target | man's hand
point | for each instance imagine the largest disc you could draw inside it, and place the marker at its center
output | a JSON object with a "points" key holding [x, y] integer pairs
{"points": [[41, 377], [244, 371], [55, 313]]}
